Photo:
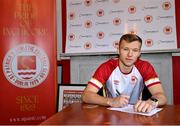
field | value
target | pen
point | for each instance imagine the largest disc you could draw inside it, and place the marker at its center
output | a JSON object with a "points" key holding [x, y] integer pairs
{"points": [[118, 93]]}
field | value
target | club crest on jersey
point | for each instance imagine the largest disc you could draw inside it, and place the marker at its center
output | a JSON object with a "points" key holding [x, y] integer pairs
{"points": [[116, 82], [26, 66], [133, 80]]}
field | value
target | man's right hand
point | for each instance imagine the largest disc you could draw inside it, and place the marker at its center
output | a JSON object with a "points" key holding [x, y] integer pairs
{"points": [[119, 101]]}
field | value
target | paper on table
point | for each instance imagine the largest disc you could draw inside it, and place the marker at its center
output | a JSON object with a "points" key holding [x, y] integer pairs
{"points": [[129, 109]]}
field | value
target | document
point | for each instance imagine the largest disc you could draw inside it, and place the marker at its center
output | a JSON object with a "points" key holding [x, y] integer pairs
{"points": [[129, 109]]}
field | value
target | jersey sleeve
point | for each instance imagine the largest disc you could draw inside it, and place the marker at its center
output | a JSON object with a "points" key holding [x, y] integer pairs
{"points": [[102, 74], [148, 73]]}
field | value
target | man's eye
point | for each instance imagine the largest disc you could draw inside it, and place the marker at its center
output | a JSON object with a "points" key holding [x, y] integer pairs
{"points": [[126, 49], [135, 50]]}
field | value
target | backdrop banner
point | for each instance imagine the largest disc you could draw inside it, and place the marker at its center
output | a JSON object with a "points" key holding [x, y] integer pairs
{"points": [[95, 26], [28, 88]]}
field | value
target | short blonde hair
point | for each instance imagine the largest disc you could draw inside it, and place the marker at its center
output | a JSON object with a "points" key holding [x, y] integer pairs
{"points": [[130, 38]]}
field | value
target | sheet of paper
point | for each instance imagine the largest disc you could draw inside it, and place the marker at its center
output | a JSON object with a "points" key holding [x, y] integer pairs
{"points": [[129, 109]]}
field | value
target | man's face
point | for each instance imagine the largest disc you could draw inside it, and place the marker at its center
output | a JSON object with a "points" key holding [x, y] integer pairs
{"points": [[129, 52]]}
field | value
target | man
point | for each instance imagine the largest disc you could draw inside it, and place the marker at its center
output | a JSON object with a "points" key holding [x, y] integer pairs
{"points": [[124, 79]]}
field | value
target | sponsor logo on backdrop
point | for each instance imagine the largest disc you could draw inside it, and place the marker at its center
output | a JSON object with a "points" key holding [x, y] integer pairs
{"points": [[148, 18], [85, 15], [100, 13], [71, 16], [134, 20], [26, 66], [101, 45], [116, 11], [166, 5], [71, 37], [116, 34], [149, 42], [132, 9], [165, 41], [85, 36], [167, 30], [75, 3], [102, 23], [87, 45], [75, 25], [151, 31], [100, 35], [117, 21], [116, 44], [88, 3], [116, 1], [101, 1], [165, 17], [75, 46], [150, 7], [88, 24]]}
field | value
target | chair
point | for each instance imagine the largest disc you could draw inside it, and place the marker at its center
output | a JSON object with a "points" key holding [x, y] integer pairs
{"points": [[146, 94]]}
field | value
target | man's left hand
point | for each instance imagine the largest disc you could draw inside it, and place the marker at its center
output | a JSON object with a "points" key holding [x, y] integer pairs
{"points": [[144, 106]]}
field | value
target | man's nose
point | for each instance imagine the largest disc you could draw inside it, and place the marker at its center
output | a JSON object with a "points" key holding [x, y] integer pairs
{"points": [[130, 53]]}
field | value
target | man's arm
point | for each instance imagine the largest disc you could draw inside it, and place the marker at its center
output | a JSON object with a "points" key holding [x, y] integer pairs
{"points": [[90, 96], [157, 93]]}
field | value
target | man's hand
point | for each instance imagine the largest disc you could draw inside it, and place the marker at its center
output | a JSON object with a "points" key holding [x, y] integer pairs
{"points": [[144, 106], [119, 101]]}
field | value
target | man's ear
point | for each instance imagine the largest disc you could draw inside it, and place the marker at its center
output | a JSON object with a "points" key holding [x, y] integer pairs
{"points": [[117, 49]]}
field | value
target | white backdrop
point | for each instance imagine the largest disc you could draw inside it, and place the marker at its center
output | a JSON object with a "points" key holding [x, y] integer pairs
{"points": [[97, 25]]}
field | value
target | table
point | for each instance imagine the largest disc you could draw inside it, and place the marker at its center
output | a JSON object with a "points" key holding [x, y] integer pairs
{"points": [[85, 114]]}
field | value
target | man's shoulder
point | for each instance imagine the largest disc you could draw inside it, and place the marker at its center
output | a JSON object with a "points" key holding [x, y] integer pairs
{"points": [[143, 65], [110, 64], [142, 62], [112, 61]]}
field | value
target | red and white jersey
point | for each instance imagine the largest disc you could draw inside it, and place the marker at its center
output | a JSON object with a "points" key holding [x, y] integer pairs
{"points": [[132, 84]]}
